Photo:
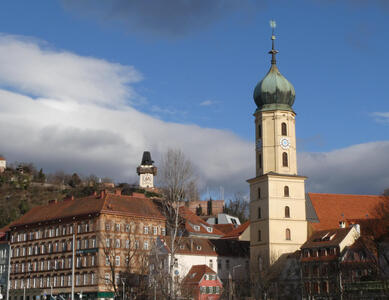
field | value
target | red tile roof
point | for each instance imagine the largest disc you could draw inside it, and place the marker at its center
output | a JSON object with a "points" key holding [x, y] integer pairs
{"points": [[326, 238], [196, 273], [235, 234], [191, 246], [192, 219], [225, 228], [2, 158], [333, 208], [105, 203]]}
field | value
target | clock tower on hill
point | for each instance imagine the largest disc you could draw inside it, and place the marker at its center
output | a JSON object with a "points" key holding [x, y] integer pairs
{"points": [[146, 171], [277, 194]]}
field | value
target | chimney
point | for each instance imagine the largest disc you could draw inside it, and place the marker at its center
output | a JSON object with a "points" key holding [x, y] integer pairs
{"points": [[118, 192], [357, 228], [342, 224]]}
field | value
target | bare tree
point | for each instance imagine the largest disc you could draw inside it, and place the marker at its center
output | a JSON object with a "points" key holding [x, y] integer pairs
{"points": [[176, 178], [238, 207]]}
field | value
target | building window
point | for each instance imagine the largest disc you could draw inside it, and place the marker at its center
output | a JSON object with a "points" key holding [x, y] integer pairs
{"points": [[286, 191], [155, 230], [117, 243], [287, 212], [127, 227], [259, 193], [127, 244], [92, 278], [259, 213], [117, 260], [283, 129], [287, 234], [146, 245], [211, 263], [259, 131], [117, 227], [107, 226], [146, 230], [259, 236], [260, 160], [227, 264], [284, 159]]}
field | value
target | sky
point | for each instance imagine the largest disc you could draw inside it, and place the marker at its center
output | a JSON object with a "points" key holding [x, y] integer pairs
{"points": [[87, 86]]}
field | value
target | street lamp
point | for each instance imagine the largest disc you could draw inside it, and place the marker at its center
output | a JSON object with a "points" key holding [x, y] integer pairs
{"points": [[124, 288], [233, 278]]}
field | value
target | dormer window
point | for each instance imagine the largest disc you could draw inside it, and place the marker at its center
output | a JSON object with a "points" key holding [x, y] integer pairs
{"points": [[209, 229], [182, 247], [196, 227], [198, 247]]}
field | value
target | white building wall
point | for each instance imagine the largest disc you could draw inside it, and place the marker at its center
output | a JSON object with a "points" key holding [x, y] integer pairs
{"points": [[3, 165], [185, 262]]}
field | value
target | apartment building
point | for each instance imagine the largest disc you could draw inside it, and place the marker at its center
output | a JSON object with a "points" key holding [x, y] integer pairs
{"points": [[111, 232]]}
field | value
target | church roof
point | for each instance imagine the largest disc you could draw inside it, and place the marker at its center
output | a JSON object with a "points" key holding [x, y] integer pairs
{"points": [[333, 208]]}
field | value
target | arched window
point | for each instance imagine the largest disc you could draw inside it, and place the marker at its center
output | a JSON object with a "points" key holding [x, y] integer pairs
{"points": [[260, 161], [287, 212], [286, 191], [284, 131], [259, 236], [287, 234], [259, 212], [259, 131], [284, 159], [259, 193]]}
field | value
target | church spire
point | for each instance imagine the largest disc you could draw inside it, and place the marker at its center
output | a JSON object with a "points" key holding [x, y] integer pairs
{"points": [[273, 51]]}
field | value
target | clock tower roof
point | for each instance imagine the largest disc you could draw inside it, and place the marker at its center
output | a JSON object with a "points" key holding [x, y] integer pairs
{"points": [[274, 91]]}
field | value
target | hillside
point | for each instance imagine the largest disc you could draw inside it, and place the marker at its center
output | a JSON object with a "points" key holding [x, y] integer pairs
{"points": [[23, 187]]}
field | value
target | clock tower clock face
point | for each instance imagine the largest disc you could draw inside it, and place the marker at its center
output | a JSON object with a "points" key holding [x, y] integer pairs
{"points": [[284, 142], [147, 179]]}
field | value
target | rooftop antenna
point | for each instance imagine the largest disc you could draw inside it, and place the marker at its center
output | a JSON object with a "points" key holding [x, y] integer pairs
{"points": [[273, 51]]}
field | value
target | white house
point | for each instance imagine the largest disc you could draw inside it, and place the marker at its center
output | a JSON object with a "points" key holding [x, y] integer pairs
{"points": [[3, 164], [189, 252]]}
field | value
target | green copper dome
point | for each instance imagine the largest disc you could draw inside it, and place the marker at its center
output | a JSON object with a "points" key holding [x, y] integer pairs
{"points": [[274, 91]]}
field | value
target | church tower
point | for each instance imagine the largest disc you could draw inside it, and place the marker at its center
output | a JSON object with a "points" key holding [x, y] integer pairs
{"points": [[146, 171], [277, 193]]}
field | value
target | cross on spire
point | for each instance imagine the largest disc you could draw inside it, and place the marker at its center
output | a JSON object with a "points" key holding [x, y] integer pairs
{"points": [[273, 51]]}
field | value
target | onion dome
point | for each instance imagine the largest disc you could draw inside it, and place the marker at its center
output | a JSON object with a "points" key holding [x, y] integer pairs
{"points": [[274, 91]]}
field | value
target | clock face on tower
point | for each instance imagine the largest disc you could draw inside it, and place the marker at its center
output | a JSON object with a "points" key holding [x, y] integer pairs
{"points": [[284, 142], [147, 179]]}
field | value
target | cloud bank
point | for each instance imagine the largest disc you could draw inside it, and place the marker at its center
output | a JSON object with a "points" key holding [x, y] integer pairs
{"points": [[63, 111], [166, 18]]}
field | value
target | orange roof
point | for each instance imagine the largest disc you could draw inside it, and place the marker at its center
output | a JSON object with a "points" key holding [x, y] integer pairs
{"points": [[196, 273], [234, 234], [193, 219], [2, 158], [104, 203], [333, 208], [225, 228], [191, 246]]}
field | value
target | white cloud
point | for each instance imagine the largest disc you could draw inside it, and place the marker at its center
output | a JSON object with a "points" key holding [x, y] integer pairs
{"points": [[362, 168], [64, 111], [207, 103], [382, 117]]}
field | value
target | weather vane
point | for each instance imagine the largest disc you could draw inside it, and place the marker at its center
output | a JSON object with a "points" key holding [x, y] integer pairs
{"points": [[273, 51], [273, 25]]}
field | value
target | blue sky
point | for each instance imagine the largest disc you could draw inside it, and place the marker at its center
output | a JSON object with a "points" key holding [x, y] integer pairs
{"points": [[197, 63]]}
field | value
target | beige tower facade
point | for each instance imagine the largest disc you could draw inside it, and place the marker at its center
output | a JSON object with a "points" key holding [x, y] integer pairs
{"points": [[277, 193]]}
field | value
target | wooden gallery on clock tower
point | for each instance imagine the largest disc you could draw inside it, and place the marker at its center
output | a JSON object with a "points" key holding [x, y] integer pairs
{"points": [[277, 193]]}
